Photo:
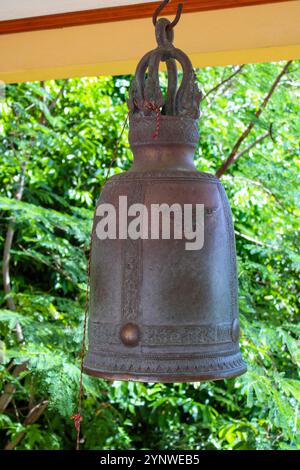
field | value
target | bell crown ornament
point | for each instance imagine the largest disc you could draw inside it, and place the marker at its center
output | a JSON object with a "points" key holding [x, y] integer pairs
{"points": [[175, 116], [160, 312]]}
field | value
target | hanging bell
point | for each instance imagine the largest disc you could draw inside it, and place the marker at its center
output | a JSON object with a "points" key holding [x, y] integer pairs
{"points": [[160, 312]]}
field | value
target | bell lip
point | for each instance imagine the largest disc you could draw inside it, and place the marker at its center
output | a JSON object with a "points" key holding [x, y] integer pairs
{"points": [[166, 378]]}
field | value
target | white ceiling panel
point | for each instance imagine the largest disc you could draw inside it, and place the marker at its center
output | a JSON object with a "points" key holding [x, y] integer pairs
{"points": [[13, 9]]}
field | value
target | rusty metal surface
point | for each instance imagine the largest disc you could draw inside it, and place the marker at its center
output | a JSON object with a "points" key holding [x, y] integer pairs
{"points": [[158, 312]]}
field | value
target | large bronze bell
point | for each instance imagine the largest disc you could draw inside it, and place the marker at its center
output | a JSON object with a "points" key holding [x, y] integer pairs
{"points": [[160, 312]]}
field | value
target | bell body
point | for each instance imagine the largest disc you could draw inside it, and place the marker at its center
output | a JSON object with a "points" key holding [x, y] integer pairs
{"points": [[160, 312]]}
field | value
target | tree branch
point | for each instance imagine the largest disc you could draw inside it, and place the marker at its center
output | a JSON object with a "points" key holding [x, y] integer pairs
{"points": [[251, 145], [6, 254], [231, 157], [261, 184], [10, 388], [42, 119], [32, 417], [219, 85], [250, 239], [52, 105]]}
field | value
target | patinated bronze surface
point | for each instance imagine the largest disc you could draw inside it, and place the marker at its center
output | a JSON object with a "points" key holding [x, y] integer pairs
{"points": [[158, 312]]}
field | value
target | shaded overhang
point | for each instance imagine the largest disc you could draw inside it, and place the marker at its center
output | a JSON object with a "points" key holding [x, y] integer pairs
{"points": [[59, 39]]}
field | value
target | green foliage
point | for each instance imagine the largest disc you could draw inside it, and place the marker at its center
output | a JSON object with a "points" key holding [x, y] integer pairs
{"points": [[61, 135]]}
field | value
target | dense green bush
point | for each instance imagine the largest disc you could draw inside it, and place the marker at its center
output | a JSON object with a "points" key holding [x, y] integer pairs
{"points": [[56, 143]]}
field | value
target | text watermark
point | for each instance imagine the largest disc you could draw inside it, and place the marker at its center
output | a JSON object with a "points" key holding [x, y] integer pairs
{"points": [[159, 221]]}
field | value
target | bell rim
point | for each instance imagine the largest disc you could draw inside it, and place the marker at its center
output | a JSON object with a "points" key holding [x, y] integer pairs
{"points": [[165, 377]]}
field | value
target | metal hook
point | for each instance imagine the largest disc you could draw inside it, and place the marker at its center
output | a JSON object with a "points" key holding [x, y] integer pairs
{"points": [[161, 7], [177, 17]]}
